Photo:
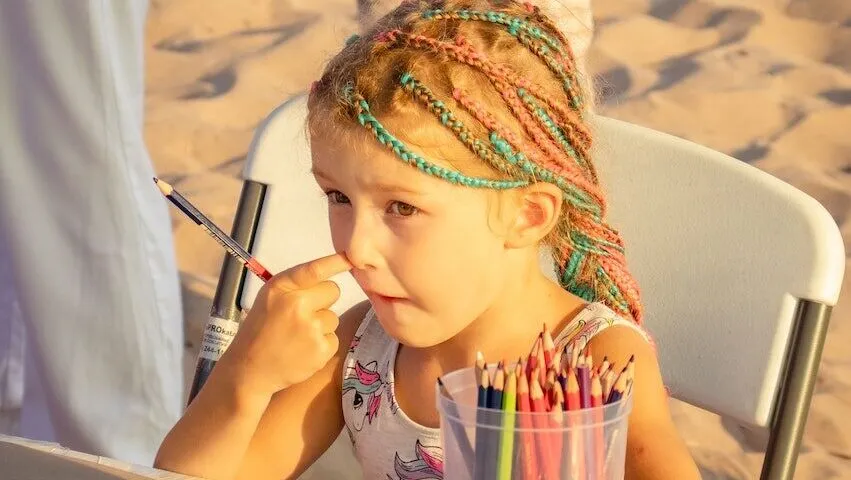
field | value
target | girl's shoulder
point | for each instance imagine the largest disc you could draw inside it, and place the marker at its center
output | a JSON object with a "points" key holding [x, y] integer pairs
{"points": [[591, 320]]}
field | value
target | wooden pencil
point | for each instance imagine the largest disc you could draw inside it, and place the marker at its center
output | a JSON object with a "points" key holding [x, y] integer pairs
{"points": [[583, 376], [619, 387], [630, 371], [480, 470], [608, 382], [528, 451], [573, 459], [532, 361], [231, 246], [506, 441], [495, 403], [540, 422], [604, 367], [542, 365], [549, 388], [556, 418], [597, 444], [460, 433], [548, 346]]}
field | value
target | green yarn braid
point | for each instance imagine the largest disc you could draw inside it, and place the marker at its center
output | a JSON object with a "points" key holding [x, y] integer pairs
{"points": [[554, 130], [450, 121], [574, 195], [366, 119]]}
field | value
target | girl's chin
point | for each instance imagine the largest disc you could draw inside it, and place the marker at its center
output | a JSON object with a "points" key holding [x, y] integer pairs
{"points": [[407, 326]]}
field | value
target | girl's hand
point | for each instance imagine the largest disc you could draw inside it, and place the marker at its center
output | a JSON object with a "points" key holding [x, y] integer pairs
{"points": [[289, 333]]}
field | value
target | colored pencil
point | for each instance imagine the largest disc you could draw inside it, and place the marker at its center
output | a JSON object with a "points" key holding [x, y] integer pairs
{"points": [[556, 419], [495, 403], [548, 346], [573, 460], [540, 422], [506, 441], [574, 357], [619, 387], [532, 361], [549, 388], [597, 444], [481, 431], [608, 382], [458, 428], [542, 365], [630, 373], [604, 367], [528, 450], [583, 375], [231, 245]]}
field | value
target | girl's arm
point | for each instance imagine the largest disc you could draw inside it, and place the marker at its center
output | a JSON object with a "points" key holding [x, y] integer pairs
{"points": [[654, 447], [229, 432]]}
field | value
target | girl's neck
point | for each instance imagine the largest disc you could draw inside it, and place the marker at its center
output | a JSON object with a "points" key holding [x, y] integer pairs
{"points": [[508, 328]]}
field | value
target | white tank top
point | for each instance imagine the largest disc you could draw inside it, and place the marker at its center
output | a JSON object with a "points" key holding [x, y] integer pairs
{"points": [[388, 444]]}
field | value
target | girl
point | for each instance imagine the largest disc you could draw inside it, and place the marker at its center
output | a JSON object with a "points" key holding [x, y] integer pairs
{"points": [[450, 143]]}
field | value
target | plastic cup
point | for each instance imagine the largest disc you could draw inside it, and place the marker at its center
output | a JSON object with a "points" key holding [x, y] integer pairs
{"points": [[588, 444]]}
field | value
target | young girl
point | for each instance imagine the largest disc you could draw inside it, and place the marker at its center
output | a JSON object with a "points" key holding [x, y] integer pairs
{"points": [[451, 145]]}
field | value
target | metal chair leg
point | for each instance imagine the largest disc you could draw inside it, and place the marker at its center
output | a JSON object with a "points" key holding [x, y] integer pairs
{"points": [[798, 383]]}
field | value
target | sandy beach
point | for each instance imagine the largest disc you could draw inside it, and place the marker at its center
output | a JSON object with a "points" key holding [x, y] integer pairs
{"points": [[766, 81]]}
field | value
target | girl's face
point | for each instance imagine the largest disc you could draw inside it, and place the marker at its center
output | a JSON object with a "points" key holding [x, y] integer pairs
{"points": [[426, 252]]}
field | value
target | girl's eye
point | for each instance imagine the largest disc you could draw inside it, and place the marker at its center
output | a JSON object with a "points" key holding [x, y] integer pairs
{"points": [[335, 196], [402, 209]]}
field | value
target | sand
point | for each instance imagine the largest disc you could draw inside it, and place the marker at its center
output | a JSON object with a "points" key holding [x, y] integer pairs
{"points": [[767, 81]]}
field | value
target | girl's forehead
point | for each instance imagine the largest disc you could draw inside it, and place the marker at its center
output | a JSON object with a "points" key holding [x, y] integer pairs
{"points": [[354, 151]]}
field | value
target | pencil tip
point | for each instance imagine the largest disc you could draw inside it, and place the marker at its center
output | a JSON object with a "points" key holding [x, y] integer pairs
{"points": [[164, 187], [439, 381]]}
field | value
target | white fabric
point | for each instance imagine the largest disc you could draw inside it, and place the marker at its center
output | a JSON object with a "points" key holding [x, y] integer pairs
{"points": [[88, 236]]}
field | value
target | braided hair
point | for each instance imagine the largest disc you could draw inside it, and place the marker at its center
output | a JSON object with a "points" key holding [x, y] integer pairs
{"points": [[500, 78]]}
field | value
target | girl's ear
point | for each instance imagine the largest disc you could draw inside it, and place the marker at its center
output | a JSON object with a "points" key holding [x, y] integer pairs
{"points": [[536, 213]]}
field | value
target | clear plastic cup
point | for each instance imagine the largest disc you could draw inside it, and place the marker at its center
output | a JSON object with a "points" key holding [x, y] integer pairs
{"points": [[481, 444]]}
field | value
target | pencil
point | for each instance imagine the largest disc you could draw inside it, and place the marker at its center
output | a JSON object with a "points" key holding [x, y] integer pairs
{"points": [[458, 428], [608, 382], [480, 364], [532, 361], [619, 387], [557, 437], [574, 357], [604, 367], [630, 374], [495, 403], [231, 246], [506, 442], [573, 461], [549, 388], [597, 434], [584, 378], [542, 365], [481, 431], [548, 346], [528, 454], [540, 422]]}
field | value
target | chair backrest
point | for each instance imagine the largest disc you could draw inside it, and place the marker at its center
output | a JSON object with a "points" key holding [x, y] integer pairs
{"points": [[722, 251]]}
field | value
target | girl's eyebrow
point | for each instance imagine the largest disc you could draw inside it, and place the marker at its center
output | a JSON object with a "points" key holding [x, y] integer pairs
{"points": [[377, 186]]}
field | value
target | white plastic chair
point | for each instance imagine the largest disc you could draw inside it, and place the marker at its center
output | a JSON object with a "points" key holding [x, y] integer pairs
{"points": [[739, 270]]}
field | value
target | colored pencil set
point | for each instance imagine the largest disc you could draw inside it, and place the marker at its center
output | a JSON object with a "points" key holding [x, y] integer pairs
{"points": [[564, 388]]}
